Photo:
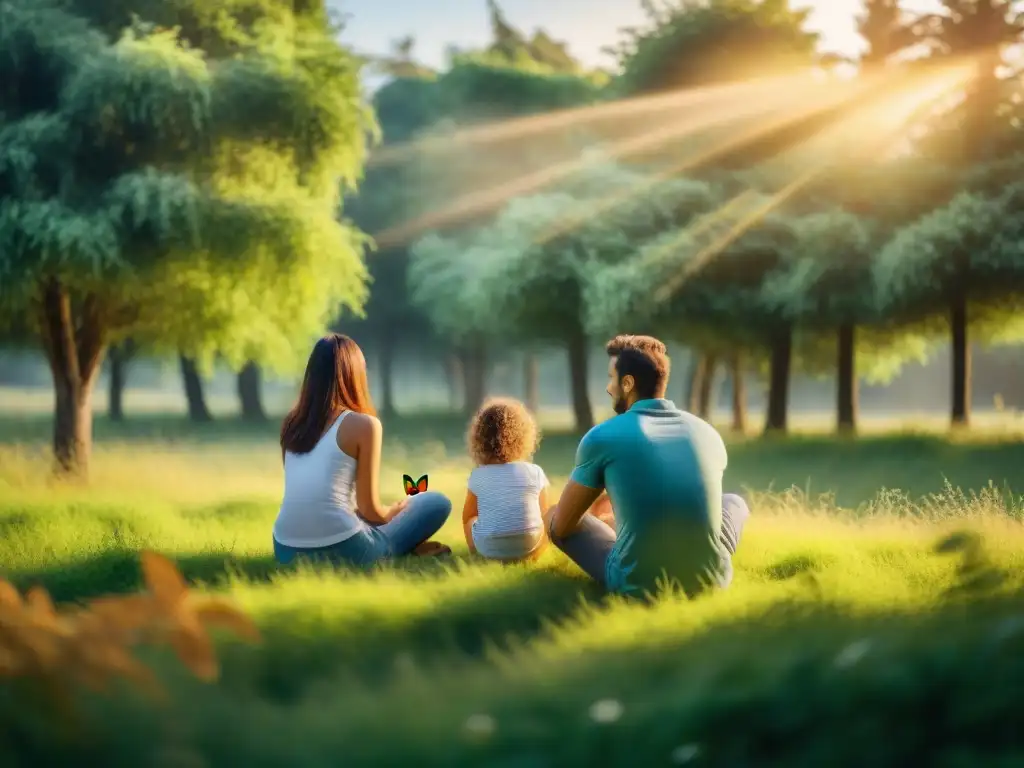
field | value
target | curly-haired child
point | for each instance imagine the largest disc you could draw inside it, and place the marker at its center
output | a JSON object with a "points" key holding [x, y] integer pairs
{"points": [[507, 494]]}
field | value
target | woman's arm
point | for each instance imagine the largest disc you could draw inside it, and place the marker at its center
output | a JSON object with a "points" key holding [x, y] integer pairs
{"points": [[470, 513], [361, 436]]}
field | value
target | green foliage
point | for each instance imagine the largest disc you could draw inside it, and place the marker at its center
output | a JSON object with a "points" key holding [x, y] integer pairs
{"points": [[511, 78], [444, 284], [402, 63], [979, 127], [482, 90], [407, 106], [704, 281], [192, 199], [510, 47], [531, 267], [829, 279], [692, 44], [886, 29], [969, 26], [971, 245], [829, 282]]}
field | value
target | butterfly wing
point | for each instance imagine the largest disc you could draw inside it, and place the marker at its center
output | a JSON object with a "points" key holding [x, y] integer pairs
{"points": [[421, 485], [410, 486]]}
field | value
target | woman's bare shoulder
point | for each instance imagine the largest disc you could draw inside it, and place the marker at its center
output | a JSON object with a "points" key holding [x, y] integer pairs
{"points": [[357, 430], [362, 424]]}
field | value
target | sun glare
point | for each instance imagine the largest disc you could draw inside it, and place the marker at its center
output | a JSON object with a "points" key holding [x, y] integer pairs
{"points": [[862, 137], [727, 118], [717, 108]]}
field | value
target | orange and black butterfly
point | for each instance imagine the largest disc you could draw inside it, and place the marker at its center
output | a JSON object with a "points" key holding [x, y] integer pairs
{"points": [[411, 488]]}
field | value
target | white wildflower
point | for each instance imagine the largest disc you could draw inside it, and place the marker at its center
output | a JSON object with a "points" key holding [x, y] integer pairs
{"points": [[852, 654], [1008, 628], [404, 663], [480, 726], [606, 711], [685, 754]]}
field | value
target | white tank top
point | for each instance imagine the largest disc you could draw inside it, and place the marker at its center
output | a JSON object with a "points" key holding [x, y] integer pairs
{"points": [[319, 505]]}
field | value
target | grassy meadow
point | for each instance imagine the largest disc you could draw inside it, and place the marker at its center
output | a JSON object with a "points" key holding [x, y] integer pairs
{"points": [[876, 618]]}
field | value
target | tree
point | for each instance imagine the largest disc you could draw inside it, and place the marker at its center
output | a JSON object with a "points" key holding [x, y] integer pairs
{"points": [[687, 45], [423, 162], [507, 42], [978, 31], [828, 289], [441, 170], [405, 107], [530, 267], [195, 397], [151, 190], [704, 284], [509, 46], [887, 31], [118, 359], [402, 62], [963, 261], [249, 385], [441, 275]]}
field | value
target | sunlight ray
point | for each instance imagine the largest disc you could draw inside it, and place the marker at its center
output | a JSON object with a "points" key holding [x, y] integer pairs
{"points": [[835, 96], [646, 106], [481, 201], [894, 114]]}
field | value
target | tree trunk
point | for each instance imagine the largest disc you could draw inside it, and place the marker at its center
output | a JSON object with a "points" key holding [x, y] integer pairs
{"points": [[249, 392], [197, 410], [694, 383], [846, 379], [961, 360], [474, 376], [118, 358], [739, 393], [387, 374], [579, 392], [706, 393], [531, 382], [453, 373], [74, 349], [778, 383]]}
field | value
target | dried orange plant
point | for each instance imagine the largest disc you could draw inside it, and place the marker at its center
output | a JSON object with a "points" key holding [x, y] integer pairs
{"points": [[93, 644]]}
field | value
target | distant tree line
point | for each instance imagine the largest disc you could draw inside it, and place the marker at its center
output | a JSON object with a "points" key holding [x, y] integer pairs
{"points": [[201, 183]]}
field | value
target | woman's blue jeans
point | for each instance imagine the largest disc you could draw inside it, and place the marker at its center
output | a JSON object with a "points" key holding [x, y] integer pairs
{"points": [[422, 517]]}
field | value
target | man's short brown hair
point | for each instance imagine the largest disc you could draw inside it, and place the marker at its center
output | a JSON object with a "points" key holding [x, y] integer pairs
{"points": [[645, 358]]}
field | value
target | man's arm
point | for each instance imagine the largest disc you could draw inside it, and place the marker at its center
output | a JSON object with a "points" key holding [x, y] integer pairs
{"points": [[572, 505], [584, 487]]}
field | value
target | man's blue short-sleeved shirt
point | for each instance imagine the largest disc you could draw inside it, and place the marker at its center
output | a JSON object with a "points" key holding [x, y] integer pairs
{"points": [[662, 469]]}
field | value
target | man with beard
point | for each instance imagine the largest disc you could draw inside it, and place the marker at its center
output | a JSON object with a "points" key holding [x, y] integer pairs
{"points": [[644, 505]]}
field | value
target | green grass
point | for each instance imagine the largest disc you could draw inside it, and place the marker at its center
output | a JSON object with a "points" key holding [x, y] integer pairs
{"points": [[847, 639]]}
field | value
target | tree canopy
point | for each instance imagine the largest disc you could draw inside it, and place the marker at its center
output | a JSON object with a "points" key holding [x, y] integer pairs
{"points": [[688, 44], [156, 189]]}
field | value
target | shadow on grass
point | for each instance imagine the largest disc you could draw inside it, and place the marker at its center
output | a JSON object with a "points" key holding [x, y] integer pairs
{"points": [[302, 645], [372, 646], [793, 566], [117, 571]]}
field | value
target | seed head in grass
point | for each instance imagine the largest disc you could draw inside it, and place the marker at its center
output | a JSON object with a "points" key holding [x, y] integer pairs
{"points": [[92, 645]]}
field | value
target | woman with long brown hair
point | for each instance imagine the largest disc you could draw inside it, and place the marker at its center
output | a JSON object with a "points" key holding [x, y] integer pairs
{"points": [[331, 446]]}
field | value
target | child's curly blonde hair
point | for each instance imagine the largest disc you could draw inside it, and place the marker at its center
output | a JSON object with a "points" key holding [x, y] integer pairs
{"points": [[502, 431]]}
